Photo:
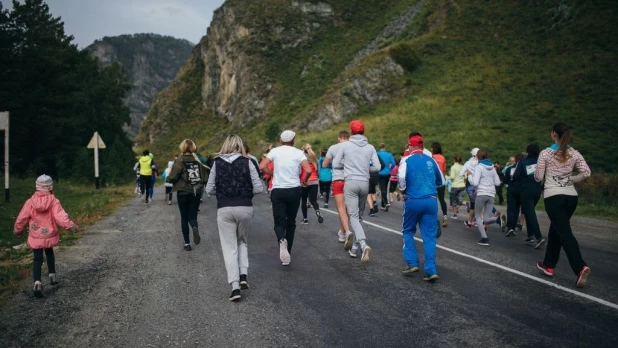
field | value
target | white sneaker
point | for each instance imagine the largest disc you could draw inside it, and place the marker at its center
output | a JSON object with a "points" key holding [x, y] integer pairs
{"points": [[349, 239], [341, 236], [284, 255], [366, 254], [353, 252]]}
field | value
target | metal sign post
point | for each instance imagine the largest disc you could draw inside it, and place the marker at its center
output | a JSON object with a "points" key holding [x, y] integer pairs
{"points": [[4, 124], [96, 143]]}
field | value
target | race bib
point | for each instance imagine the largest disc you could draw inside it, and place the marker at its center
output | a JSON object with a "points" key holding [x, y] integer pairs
{"points": [[530, 169]]}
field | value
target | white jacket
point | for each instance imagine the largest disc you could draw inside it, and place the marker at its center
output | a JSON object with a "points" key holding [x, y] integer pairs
{"points": [[485, 179]]}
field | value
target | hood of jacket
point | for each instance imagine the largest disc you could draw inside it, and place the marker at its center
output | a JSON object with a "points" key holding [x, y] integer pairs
{"points": [[145, 160], [487, 164], [42, 201], [359, 140], [229, 157]]}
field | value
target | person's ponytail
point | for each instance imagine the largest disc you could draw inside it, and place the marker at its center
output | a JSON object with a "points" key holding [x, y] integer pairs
{"points": [[564, 136]]}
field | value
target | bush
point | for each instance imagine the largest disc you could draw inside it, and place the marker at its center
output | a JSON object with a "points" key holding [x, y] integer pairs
{"points": [[599, 189], [405, 55], [272, 131]]}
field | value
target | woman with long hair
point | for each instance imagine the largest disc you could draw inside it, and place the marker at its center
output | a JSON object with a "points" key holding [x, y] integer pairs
{"points": [[555, 166], [234, 179], [310, 190], [529, 193], [458, 188], [485, 179]]}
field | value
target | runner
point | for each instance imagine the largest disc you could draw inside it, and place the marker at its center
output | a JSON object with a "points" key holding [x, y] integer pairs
{"points": [[393, 181], [530, 193], [372, 198], [310, 190], [501, 186], [384, 175], [458, 186], [188, 175], [345, 236], [286, 191], [153, 177], [168, 185], [466, 172], [234, 179], [419, 179], [485, 179], [357, 158], [326, 177], [145, 174], [513, 198], [555, 166], [436, 151]]}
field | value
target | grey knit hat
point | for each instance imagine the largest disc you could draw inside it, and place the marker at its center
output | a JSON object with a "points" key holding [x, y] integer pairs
{"points": [[44, 183]]}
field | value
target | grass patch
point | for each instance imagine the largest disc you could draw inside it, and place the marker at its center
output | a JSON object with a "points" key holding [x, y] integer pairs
{"points": [[85, 206]]}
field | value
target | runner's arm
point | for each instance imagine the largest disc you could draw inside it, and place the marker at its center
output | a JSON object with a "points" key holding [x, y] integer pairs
{"points": [[264, 166], [210, 185]]}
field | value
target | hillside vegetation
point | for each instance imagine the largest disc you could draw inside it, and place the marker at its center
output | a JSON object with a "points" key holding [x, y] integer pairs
{"points": [[494, 74]]}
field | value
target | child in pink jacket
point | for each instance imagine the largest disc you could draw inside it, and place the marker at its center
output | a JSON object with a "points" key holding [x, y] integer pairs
{"points": [[43, 212]]}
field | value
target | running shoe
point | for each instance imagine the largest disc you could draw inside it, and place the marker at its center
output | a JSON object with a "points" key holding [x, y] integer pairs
{"points": [[304, 222], [375, 208], [468, 224], [37, 289], [349, 240], [196, 236], [341, 236], [235, 295], [353, 252], [319, 215], [169, 203], [371, 212], [387, 207], [484, 241], [548, 271], [503, 223], [445, 221], [366, 254], [383, 207], [325, 205], [284, 254], [244, 285], [582, 277], [431, 277], [53, 280], [455, 217], [410, 270], [510, 233], [529, 241], [187, 247], [539, 243]]}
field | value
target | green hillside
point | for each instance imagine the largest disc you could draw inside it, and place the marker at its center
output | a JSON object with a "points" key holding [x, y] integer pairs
{"points": [[493, 74]]}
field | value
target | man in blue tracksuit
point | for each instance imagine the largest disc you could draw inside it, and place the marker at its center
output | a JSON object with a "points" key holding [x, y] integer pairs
{"points": [[384, 175], [419, 177]]}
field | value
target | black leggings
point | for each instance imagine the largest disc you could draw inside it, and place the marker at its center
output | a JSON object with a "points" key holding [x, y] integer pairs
{"points": [[560, 208], [188, 203], [441, 191], [383, 183], [285, 208], [325, 189], [144, 185], [310, 192], [38, 262]]}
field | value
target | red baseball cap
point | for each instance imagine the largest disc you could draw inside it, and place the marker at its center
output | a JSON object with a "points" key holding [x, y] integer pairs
{"points": [[416, 140], [357, 126]]}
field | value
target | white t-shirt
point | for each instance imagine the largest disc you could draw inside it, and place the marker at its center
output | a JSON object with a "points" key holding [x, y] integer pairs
{"points": [[287, 166]]}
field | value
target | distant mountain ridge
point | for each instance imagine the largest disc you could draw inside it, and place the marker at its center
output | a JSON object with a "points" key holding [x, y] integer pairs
{"points": [[150, 61]]}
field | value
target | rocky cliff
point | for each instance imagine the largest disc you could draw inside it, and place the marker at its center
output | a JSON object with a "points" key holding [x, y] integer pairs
{"points": [[150, 62]]}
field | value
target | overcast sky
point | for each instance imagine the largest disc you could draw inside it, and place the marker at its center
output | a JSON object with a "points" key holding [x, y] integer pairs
{"points": [[88, 20]]}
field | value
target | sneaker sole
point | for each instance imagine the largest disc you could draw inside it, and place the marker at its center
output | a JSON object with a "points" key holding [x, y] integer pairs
{"points": [[544, 271], [348, 242], [284, 256], [354, 255], [366, 255], [483, 244], [411, 272], [196, 236], [540, 244], [432, 278], [235, 298], [510, 233], [583, 280], [244, 285], [341, 240]]}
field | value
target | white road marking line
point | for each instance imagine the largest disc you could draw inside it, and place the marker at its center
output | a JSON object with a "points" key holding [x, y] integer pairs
{"points": [[504, 268]]}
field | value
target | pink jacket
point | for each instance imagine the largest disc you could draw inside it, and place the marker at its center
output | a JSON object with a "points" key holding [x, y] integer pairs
{"points": [[44, 212]]}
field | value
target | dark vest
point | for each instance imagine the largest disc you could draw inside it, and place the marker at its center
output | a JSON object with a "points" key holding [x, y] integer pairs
{"points": [[233, 183]]}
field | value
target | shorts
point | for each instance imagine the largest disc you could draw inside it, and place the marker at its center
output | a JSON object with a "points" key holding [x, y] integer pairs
{"points": [[337, 187], [373, 182], [392, 186], [472, 194]]}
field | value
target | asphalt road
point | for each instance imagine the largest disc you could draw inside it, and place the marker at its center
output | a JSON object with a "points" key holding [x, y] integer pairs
{"points": [[128, 283]]}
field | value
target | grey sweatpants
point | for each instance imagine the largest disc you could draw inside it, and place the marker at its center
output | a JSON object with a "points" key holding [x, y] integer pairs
{"points": [[355, 198], [484, 205], [233, 229]]}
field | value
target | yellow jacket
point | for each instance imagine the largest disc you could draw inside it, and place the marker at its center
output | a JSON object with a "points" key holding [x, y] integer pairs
{"points": [[145, 166]]}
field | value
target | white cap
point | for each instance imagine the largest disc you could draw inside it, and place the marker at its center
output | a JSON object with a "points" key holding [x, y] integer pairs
{"points": [[287, 136], [44, 183], [474, 151]]}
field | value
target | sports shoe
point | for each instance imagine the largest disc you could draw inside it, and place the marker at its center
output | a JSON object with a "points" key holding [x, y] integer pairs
{"points": [[539, 243], [445, 221], [319, 215], [510, 233], [484, 241], [383, 207], [468, 224], [349, 240], [169, 202], [366, 254], [529, 241], [196, 236], [187, 247], [582, 277], [410, 270], [284, 254], [548, 271], [52, 279], [454, 217], [431, 277], [325, 205], [235, 295], [341, 236], [37, 289], [353, 252], [387, 207], [304, 222], [243, 282], [503, 223], [371, 212]]}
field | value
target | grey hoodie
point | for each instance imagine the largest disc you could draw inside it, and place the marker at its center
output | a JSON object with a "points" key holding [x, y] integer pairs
{"points": [[357, 158], [485, 178]]}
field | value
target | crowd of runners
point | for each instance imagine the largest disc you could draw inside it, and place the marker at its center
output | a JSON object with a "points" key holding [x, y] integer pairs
{"points": [[350, 172]]}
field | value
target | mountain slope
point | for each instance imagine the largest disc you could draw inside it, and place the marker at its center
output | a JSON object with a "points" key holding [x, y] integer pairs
{"points": [[473, 73], [150, 62]]}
